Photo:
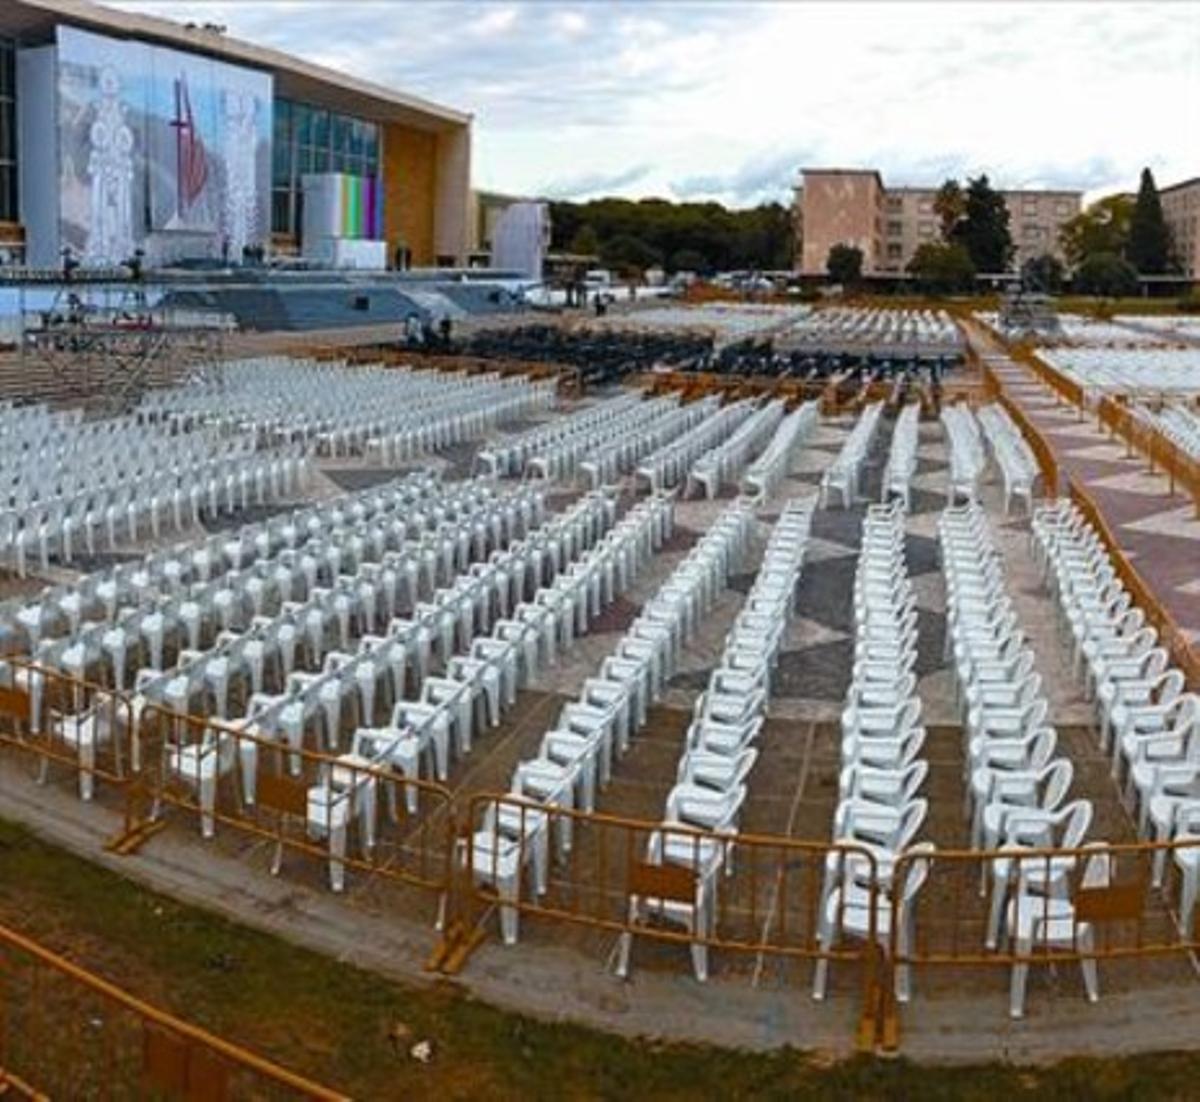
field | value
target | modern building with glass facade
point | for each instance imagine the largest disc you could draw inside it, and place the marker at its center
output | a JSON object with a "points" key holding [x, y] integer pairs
{"points": [[122, 132]]}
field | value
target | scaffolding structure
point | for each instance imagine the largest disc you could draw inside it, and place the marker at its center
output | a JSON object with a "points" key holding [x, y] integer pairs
{"points": [[102, 338]]}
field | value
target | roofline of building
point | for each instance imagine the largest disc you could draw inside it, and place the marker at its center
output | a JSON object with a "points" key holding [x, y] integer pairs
{"points": [[843, 172], [1001, 190], [126, 24], [1177, 187]]}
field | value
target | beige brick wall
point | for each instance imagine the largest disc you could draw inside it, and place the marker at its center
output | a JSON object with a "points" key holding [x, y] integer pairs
{"points": [[1181, 212], [841, 208]]}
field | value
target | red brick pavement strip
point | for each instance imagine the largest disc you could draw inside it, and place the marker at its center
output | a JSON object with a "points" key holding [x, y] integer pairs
{"points": [[1165, 561]]}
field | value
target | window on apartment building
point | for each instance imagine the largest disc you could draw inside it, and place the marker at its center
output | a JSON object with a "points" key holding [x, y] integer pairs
{"points": [[8, 131], [895, 228], [1062, 208], [925, 229], [895, 250], [894, 203], [925, 206], [1031, 231]]}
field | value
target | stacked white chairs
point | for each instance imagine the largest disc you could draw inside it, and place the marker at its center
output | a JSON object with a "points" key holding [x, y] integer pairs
{"points": [[902, 457], [967, 456], [1012, 453], [622, 451], [720, 750], [723, 464], [844, 475], [880, 811], [1147, 719], [764, 475], [509, 455], [669, 465], [573, 762]]}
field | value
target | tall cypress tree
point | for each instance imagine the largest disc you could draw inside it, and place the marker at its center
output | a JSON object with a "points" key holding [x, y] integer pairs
{"points": [[1149, 248]]}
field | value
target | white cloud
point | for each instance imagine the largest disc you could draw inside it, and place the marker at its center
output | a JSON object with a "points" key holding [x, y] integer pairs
{"points": [[570, 23], [499, 21], [724, 99]]}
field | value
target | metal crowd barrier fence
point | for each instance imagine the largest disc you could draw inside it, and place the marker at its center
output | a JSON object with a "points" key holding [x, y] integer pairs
{"points": [[344, 811], [755, 900], [1161, 452], [66, 723], [67, 1033], [1094, 905], [1066, 389]]}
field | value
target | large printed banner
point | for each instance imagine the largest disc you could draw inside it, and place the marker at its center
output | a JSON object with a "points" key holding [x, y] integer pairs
{"points": [[160, 149]]}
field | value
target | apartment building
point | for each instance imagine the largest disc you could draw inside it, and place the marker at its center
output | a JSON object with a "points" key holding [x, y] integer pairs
{"points": [[854, 207], [1181, 212]]}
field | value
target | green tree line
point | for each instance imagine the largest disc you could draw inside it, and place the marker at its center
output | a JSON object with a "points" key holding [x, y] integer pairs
{"points": [[699, 237]]}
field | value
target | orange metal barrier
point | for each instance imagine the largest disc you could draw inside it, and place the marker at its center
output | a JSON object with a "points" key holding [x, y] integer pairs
{"points": [[339, 811], [1162, 452], [69, 724], [753, 900], [1183, 652], [67, 1033], [977, 927], [1067, 389]]}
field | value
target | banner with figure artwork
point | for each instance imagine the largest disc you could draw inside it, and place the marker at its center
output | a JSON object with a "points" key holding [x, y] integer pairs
{"points": [[161, 150]]}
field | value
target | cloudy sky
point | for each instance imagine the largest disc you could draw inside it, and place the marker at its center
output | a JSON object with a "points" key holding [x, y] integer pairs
{"points": [[726, 100]]}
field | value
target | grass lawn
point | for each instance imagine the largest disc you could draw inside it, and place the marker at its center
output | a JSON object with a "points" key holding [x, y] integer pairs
{"points": [[332, 1021]]}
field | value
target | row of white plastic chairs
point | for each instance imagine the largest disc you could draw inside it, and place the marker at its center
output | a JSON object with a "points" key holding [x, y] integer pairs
{"points": [[1170, 372], [178, 494], [82, 460], [764, 475], [508, 456], [1017, 790], [669, 465], [879, 326], [844, 475], [879, 812], [967, 456], [639, 667], [564, 459], [384, 414], [720, 751], [902, 457], [1148, 721], [620, 455], [1012, 453], [576, 755], [411, 503], [724, 464]]}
